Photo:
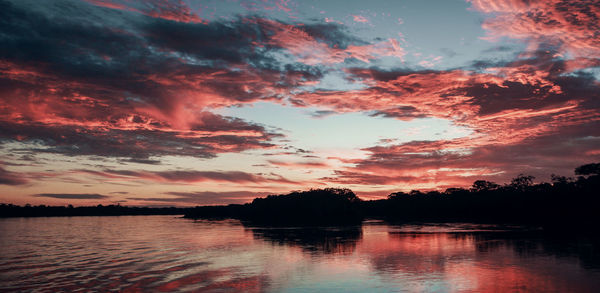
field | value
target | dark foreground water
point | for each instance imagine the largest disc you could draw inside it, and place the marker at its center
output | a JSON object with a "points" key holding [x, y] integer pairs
{"points": [[165, 253]]}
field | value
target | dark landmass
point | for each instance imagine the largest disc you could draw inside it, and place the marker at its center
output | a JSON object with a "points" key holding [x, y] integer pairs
{"points": [[9, 210], [565, 203], [316, 207]]}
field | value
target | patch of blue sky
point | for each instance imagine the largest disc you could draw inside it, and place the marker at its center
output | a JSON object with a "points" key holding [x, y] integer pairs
{"points": [[430, 29], [335, 81], [591, 71], [452, 30], [306, 129], [435, 34]]}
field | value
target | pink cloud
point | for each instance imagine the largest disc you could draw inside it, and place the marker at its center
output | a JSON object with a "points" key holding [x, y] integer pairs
{"points": [[571, 25], [513, 112], [112, 103], [175, 10], [311, 51], [360, 18], [301, 165]]}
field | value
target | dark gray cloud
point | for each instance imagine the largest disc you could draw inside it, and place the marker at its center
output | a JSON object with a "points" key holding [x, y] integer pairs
{"points": [[111, 82], [11, 178], [332, 34], [322, 113], [205, 197], [189, 176], [135, 144], [72, 195]]}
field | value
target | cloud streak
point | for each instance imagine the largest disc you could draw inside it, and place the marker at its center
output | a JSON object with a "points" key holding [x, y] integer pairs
{"points": [[11, 178], [571, 26], [189, 176], [165, 9], [72, 195], [521, 106], [204, 197]]}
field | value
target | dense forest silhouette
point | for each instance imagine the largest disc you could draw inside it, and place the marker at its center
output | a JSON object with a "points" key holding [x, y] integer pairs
{"points": [[564, 202], [10, 210]]}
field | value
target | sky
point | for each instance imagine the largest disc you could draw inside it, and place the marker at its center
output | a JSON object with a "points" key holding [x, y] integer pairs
{"points": [[184, 103]]}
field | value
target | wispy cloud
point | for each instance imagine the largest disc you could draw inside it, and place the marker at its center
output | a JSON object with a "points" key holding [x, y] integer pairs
{"points": [[204, 197], [188, 176], [11, 178], [72, 195]]}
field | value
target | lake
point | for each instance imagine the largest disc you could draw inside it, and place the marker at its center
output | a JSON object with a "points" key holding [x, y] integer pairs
{"points": [[167, 253]]}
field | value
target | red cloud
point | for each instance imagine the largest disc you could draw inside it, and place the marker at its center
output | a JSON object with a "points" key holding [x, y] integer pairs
{"points": [[459, 162], [143, 91], [511, 111], [571, 25], [502, 103], [300, 165], [160, 98], [86, 109], [175, 10], [311, 51], [360, 18]]}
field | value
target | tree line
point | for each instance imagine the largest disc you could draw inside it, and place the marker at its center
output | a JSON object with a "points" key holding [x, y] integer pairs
{"points": [[562, 202], [10, 210], [565, 201]]}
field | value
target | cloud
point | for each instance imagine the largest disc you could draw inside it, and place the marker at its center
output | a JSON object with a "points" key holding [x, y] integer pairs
{"points": [[122, 86], [322, 113], [312, 51], [525, 115], [143, 161], [72, 195], [143, 87], [360, 18], [572, 26], [174, 10], [300, 165], [11, 178], [533, 87], [205, 197], [459, 162], [137, 81], [140, 140], [188, 176]]}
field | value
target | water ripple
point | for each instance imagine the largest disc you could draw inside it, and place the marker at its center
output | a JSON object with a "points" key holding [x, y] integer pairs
{"points": [[165, 254]]}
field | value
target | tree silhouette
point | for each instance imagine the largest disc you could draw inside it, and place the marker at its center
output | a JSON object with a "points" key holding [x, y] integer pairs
{"points": [[522, 182], [588, 169], [483, 185], [561, 180]]}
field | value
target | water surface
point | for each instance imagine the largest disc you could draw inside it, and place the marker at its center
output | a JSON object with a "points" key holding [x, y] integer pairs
{"points": [[166, 253]]}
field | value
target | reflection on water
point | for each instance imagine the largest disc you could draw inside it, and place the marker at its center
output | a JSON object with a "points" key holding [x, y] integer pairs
{"points": [[337, 240], [163, 253]]}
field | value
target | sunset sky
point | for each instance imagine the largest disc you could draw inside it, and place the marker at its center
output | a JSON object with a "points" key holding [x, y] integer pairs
{"points": [[162, 103]]}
